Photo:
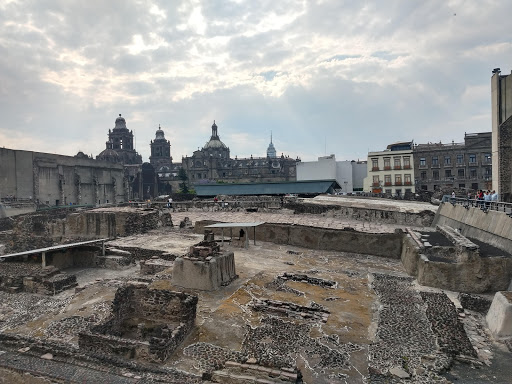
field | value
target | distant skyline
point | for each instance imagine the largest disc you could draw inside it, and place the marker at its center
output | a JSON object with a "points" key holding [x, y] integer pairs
{"points": [[325, 77]]}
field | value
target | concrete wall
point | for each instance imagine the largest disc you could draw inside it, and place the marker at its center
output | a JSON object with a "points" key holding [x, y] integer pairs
{"points": [[344, 176], [493, 227], [377, 244]]}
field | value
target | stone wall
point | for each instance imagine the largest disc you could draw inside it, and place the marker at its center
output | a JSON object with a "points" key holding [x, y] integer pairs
{"points": [[173, 312], [347, 240], [423, 219], [505, 161], [494, 228]]}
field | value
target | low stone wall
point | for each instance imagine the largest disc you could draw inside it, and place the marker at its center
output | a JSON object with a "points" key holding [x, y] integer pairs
{"points": [[499, 317], [493, 227], [154, 266], [422, 219], [347, 240], [474, 275]]}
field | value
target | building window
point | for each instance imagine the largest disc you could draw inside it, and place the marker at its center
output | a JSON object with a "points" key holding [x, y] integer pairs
{"points": [[447, 160], [407, 162], [435, 160], [447, 173], [488, 173], [423, 175], [423, 162], [487, 158], [387, 179], [472, 173], [460, 172], [398, 164], [462, 186], [424, 188], [388, 191], [408, 190], [435, 175], [474, 186], [407, 179], [460, 159], [472, 158], [376, 181], [398, 179], [387, 163], [375, 164]]}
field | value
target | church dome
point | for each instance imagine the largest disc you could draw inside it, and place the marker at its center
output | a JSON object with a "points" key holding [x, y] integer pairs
{"points": [[109, 155], [120, 122], [159, 134], [214, 143]]}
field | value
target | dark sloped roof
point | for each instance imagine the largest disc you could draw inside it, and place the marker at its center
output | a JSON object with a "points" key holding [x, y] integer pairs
{"points": [[298, 187]]}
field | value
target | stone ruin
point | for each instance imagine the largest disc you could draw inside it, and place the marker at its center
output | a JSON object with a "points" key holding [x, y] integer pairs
{"points": [[147, 324], [205, 267], [448, 260], [31, 278]]}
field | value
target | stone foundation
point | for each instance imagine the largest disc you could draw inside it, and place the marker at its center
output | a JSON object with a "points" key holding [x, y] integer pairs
{"points": [[154, 266], [204, 268], [147, 324], [456, 268]]}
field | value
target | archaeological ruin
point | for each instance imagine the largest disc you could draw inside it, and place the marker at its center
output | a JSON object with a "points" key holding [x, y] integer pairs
{"points": [[330, 289]]}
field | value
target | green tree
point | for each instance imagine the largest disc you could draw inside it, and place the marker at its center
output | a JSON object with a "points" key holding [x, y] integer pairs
{"points": [[182, 175]]}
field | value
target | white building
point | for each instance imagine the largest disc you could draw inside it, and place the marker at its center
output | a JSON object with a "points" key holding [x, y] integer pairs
{"points": [[327, 168], [391, 171]]}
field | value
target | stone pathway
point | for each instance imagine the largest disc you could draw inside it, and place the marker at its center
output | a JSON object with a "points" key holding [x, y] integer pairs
{"points": [[285, 218]]}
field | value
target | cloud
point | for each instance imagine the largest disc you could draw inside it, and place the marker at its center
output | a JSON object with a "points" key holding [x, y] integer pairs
{"points": [[324, 76]]}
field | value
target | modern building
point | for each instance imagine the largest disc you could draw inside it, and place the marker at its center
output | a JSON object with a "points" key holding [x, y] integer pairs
{"points": [[213, 163], [391, 171], [501, 102], [348, 174], [466, 165], [119, 147]]}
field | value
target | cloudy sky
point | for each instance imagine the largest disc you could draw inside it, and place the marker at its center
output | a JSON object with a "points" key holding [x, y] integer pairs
{"points": [[325, 76]]}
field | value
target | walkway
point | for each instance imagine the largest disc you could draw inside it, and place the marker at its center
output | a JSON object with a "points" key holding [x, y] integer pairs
{"points": [[287, 218]]}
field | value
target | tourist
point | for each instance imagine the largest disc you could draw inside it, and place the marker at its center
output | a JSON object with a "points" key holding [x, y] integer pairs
{"points": [[453, 197], [169, 202]]}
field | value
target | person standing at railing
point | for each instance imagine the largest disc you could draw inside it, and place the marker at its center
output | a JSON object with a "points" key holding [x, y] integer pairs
{"points": [[453, 197], [494, 199]]}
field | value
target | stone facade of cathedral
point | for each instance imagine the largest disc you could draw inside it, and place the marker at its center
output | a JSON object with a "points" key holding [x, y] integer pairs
{"points": [[213, 163]]}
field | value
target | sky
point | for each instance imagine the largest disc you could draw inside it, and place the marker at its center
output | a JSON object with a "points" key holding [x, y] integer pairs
{"points": [[324, 77]]}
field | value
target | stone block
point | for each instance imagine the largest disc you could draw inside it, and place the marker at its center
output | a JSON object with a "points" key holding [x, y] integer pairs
{"points": [[499, 317]]}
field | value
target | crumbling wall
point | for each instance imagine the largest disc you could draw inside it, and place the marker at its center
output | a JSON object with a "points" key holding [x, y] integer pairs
{"points": [[346, 240]]}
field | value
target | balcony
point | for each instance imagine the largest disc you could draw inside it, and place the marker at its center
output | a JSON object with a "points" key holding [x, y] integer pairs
{"points": [[423, 166], [408, 183], [435, 166], [387, 167], [398, 183], [375, 184], [375, 169], [473, 163], [397, 167], [387, 183], [407, 167]]}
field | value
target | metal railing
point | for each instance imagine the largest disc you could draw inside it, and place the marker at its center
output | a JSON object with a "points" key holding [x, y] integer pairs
{"points": [[481, 204]]}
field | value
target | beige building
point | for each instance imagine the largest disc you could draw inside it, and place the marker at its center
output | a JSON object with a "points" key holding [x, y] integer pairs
{"points": [[391, 171], [501, 102]]}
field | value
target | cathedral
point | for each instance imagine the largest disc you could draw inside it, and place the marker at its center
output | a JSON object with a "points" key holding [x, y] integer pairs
{"points": [[210, 164], [213, 163]]}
